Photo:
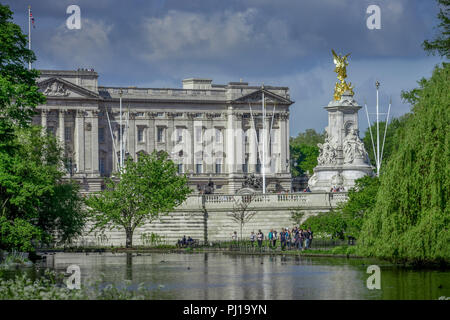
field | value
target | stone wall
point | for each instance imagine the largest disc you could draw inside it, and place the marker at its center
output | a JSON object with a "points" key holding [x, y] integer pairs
{"points": [[208, 218]]}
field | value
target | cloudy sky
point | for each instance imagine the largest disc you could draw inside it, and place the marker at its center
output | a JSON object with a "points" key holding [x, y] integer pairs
{"points": [[157, 43]]}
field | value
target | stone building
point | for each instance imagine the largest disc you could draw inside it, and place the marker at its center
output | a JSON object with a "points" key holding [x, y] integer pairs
{"points": [[212, 132]]}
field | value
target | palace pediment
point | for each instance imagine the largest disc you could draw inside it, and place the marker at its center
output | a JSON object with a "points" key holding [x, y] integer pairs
{"points": [[256, 97], [60, 88]]}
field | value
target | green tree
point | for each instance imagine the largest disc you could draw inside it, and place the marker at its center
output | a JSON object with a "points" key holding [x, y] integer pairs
{"points": [[390, 144], [441, 44], [19, 94], [33, 194], [361, 198], [35, 203], [304, 151], [142, 191], [310, 137], [331, 223], [411, 215]]}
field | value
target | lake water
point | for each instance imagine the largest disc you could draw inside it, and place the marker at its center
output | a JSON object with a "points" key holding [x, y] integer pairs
{"points": [[229, 276]]}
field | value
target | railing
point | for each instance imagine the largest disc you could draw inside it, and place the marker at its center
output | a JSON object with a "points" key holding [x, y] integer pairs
{"points": [[287, 200]]}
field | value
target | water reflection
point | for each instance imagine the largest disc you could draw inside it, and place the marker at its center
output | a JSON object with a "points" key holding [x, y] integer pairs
{"points": [[225, 276]]}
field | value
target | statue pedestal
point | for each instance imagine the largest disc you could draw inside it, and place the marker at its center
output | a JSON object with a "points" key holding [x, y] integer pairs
{"points": [[343, 158]]}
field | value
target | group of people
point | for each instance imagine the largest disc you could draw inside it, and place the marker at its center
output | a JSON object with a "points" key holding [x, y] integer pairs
{"points": [[337, 189], [185, 242], [294, 238]]}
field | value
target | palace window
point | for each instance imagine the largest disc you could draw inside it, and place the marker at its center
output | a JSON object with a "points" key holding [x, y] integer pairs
{"points": [[179, 133], [198, 134], [245, 165], [67, 133], [218, 165], [102, 166], [140, 134], [101, 134], [218, 135], [160, 134], [180, 168], [258, 166], [198, 168]]}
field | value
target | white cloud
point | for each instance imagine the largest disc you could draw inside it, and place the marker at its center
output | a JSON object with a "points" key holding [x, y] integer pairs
{"points": [[89, 46], [187, 35]]}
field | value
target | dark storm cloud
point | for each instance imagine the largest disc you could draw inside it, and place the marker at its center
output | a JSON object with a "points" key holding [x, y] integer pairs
{"points": [[157, 43]]}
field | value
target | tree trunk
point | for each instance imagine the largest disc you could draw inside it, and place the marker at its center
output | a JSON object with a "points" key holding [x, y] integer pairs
{"points": [[129, 235]]}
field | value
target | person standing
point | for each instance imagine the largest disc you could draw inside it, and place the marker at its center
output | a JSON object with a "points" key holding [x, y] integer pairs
{"points": [[306, 237], [275, 238], [234, 238], [310, 237], [288, 238], [270, 237], [296, 239], [282, 239], [302, 238], [252, 239], [260, 238]]}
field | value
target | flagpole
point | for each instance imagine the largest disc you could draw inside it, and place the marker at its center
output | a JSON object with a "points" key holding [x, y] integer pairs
{"points": [[263, 162], [29, 34], [377, 84]]}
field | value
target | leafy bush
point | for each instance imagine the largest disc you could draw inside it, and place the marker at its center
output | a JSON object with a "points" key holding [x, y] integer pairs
{"points": [[51, 287]]}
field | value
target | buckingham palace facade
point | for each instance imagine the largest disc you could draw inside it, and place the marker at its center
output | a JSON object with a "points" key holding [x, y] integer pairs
{"points": [[214, 133]]}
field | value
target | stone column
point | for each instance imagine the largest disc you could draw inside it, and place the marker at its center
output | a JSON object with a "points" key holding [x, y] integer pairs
{"points": [[288, 157], [170, 129], [208, 162], [79, 141], [131, 143], [61, 132], [231, 159], [282, 142], [239, 143], [44, 113], [94, 142], [151, 140], [253, 148], [190, 144], [268, 148]]}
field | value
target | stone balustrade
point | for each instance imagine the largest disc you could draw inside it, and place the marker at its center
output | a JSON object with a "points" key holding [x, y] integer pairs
{"points": [[265, 201]]}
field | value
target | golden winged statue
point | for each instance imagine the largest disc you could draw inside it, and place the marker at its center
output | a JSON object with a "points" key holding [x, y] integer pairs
{"points": [[341, 64]]}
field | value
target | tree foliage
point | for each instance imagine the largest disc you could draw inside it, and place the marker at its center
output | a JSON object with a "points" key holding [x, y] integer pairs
{"points": [[143, 191], [34, 201], [411, 215], [19, 94], [391, 142], [304, 151], [441, 44], [33, 195], [347, 220]]}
